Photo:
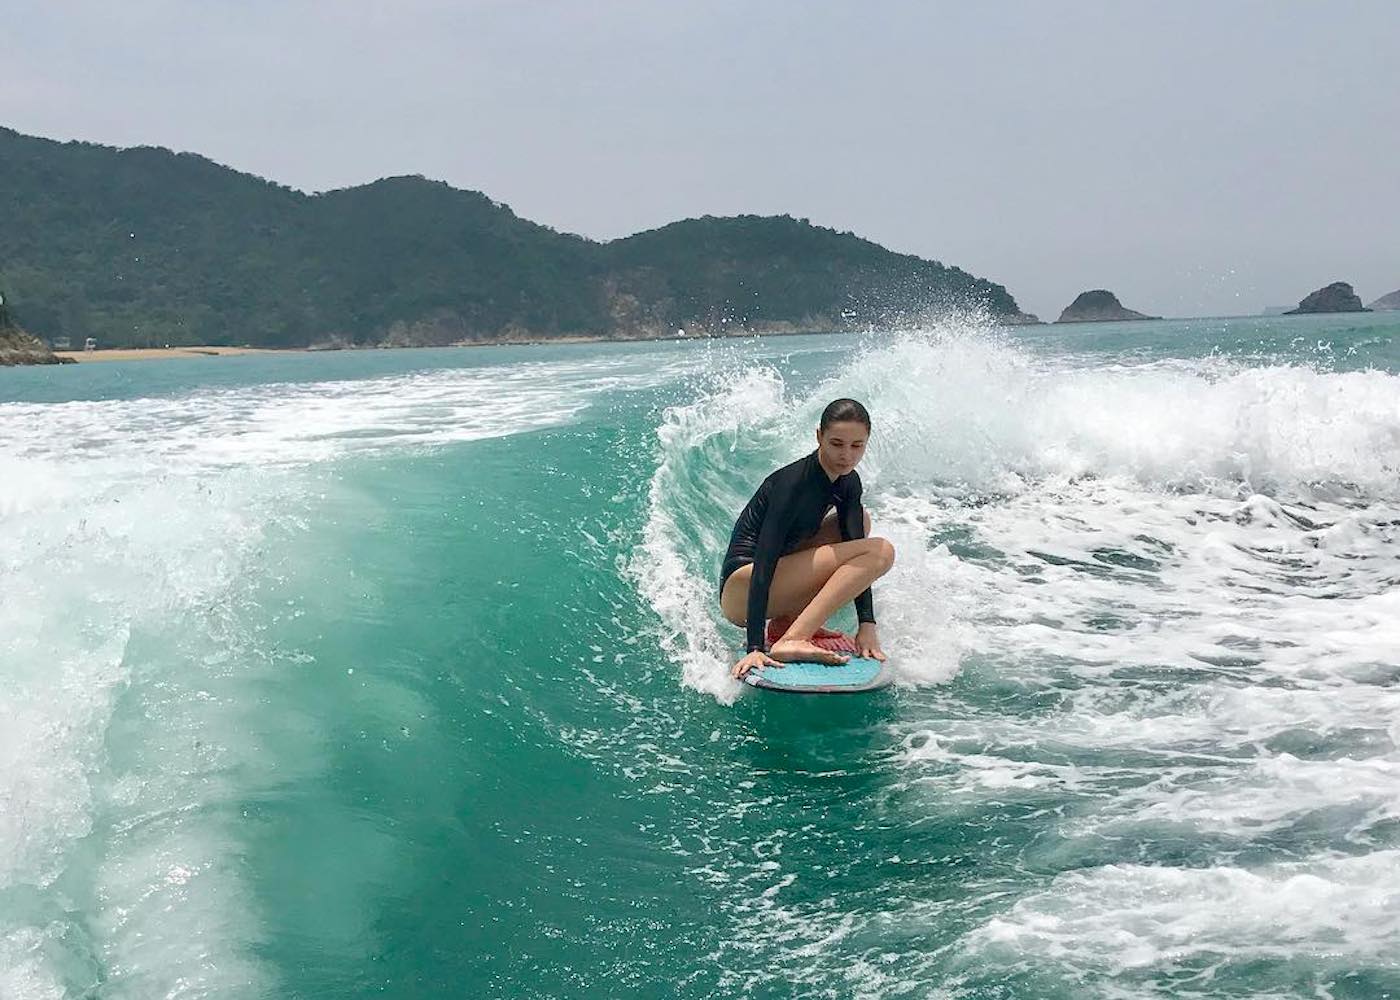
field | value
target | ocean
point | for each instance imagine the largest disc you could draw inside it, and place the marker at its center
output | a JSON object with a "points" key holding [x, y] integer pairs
{"points": [[400, 673]]}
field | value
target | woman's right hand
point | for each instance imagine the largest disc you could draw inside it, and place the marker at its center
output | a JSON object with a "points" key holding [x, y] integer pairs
{"points": [[758, 658]]}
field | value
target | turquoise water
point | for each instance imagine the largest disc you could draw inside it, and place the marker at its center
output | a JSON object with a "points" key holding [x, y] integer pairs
{"points": [[398, 674]]}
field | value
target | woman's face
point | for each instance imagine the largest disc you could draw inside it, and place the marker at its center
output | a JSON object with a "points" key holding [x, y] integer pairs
{"points": [[842, 445]]}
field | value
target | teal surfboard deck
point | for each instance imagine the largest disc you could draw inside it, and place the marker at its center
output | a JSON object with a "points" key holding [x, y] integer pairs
{"points": [[856, 675]]}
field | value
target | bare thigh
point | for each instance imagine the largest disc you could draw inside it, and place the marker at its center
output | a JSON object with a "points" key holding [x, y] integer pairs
{"points": [[796, 579]]}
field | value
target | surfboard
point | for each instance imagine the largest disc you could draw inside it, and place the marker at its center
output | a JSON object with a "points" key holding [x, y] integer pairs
{"points": [[856, 675]]}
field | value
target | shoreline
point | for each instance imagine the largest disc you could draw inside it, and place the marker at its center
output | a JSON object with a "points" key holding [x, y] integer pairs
{"points": [[204, 350], [151, 353]]}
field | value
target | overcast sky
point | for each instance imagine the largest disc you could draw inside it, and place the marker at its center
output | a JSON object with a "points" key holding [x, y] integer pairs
{"points": [[1198, 158]]}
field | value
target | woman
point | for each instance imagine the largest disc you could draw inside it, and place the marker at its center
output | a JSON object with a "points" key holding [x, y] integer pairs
{"points": [[792, 561]]}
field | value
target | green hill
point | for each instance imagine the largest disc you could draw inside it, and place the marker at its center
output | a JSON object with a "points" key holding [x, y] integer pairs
{"points": [[145, 246]]}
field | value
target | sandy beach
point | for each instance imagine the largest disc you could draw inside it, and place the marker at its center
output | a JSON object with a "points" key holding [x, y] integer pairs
{"points": [[146, 353]]}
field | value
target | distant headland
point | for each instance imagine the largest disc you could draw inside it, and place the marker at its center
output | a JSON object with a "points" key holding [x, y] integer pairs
{"points": [[145, 247], [1386, 303]]}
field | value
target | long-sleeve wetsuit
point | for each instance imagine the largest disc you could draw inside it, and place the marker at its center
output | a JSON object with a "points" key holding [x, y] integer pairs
{"points": [[786, 510]]}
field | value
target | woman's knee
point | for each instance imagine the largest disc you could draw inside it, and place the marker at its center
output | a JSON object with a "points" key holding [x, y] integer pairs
{"points": [[876, 549], [883, 550]]}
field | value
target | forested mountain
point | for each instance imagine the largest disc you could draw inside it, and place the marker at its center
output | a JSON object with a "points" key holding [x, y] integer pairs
{"points": [[145, 246]]}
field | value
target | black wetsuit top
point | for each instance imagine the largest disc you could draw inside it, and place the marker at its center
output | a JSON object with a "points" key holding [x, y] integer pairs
{"points": [[786, 510]]}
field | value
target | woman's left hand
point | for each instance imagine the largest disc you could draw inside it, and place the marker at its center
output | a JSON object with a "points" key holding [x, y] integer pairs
{"points": [[868, 642]]}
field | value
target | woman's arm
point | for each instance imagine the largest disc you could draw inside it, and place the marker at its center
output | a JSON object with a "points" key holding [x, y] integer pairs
{"points": [[768, 549], [850, 515]]}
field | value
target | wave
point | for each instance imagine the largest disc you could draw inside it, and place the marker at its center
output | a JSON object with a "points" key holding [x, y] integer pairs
{"points": [[974, 433], [101, 762], [137, 538]]}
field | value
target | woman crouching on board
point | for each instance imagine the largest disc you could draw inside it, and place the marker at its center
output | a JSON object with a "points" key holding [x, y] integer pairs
{"points": [[794, 560]]}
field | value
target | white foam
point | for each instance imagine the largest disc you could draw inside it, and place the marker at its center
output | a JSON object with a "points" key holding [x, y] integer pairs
{"points": [[97, 563], [309, 422], [1119, 918], [965, 409], [29, 970], [1264, 796]]}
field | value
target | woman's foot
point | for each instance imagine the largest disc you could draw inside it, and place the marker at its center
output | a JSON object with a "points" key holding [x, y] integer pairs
{"points": [[804, 651]]}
